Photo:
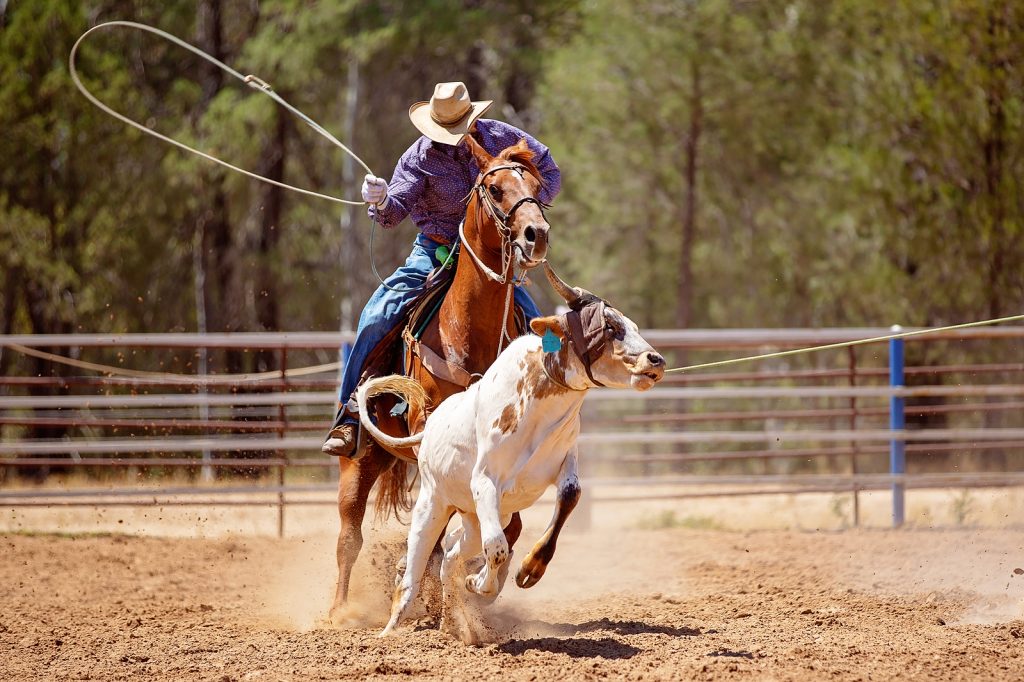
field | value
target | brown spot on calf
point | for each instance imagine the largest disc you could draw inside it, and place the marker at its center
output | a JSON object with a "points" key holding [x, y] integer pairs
{"points": [[508, 420]]}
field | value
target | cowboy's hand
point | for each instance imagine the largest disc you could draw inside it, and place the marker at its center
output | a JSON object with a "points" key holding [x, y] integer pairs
{"points": [[375, 190]]}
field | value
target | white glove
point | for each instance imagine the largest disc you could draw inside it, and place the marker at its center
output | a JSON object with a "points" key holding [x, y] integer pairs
{"points": [[375, 190]]}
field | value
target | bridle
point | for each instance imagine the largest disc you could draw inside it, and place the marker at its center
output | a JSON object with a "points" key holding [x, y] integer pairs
{"points": [[502, 221]]}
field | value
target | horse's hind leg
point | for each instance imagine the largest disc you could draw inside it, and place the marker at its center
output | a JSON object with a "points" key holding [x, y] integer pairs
{"points": [[428, 522], [356, 480]]}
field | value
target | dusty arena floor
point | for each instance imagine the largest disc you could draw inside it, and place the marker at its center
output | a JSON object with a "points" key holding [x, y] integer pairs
{"points": [[657, 604]]}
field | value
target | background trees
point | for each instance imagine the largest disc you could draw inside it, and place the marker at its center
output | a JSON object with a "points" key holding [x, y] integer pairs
{"points": [[728, 163]]}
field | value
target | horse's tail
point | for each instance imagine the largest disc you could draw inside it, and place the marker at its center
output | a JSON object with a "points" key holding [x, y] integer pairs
{"points": [[408, 389], [393, 491]]}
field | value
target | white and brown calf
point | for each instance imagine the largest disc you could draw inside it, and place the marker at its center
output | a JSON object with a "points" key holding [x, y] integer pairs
{"points": [[494, 449]]}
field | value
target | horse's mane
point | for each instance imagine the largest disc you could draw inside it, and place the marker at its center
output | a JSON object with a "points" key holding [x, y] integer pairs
{"points": [[524, 157]]}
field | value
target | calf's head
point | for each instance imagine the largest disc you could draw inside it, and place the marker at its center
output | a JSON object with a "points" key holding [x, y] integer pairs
{"points": [[607, 344]]}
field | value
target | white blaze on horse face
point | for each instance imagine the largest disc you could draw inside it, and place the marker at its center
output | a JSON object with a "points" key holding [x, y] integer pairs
{"points": [[528, 226], [628, 360]]}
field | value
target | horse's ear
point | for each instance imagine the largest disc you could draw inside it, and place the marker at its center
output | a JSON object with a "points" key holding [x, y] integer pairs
{"points": [[483, 159]]}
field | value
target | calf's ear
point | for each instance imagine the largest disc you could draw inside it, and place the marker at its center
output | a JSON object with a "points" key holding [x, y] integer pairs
{"points": [[541, 325]]}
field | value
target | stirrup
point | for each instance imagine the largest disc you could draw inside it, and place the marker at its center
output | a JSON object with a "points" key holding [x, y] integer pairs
{"points": [[341, 441]]}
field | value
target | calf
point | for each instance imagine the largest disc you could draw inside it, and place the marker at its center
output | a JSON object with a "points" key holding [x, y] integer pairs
{"points": [[494, 449]]}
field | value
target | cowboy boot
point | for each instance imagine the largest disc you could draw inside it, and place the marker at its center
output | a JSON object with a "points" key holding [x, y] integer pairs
{"points": [[341, 441]]}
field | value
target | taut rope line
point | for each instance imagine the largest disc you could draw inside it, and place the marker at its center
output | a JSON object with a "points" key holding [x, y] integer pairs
{"points": [[847, 344], [250, 80]]}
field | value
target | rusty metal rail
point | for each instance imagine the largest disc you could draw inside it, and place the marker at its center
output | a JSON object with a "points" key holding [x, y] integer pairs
{"points": [[825, 409]]}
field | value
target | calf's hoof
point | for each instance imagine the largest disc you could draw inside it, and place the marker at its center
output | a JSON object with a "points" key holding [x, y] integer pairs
{"points": [[478, 584], [530, 572]]}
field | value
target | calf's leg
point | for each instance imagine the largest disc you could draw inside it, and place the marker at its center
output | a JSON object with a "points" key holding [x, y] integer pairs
{"points": [[536, 562], [457, 615], [429, 517], [492, 535]]}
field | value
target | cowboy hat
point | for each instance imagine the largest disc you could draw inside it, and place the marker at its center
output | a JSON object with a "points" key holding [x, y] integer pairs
{"points": [[449, 114]]}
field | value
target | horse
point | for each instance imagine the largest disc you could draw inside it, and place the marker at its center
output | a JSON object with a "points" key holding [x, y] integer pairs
{"points": [[504, 229], [493, 450]]}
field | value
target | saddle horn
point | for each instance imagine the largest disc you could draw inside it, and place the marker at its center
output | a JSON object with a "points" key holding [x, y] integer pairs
{"points": [[570, 294]]}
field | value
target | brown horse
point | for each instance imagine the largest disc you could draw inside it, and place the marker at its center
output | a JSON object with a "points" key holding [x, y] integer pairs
{"points": [[504, 228]]}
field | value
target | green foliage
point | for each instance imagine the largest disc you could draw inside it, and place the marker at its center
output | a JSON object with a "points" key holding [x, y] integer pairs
{"points": [[839, 163]]}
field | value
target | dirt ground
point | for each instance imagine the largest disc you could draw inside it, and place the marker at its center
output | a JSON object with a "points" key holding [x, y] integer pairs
{"points": [[642, 604]]}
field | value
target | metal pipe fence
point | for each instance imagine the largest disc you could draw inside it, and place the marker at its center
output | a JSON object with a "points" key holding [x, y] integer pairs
{"points": [[811, 423]]}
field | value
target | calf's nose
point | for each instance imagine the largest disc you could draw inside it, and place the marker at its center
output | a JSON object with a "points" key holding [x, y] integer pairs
{"points": [[655, 359]]}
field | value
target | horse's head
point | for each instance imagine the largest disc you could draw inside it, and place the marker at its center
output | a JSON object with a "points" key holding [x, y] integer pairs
{"points": [[507, 189]]}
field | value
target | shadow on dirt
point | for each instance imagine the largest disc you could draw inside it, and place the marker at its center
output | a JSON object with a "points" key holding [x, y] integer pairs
{"points": [[731, 653], [619, 627], [604, 647], [633, 627], [560, 638]]}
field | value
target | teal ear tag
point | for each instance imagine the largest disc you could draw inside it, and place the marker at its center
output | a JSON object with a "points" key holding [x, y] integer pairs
{"points": [[550, 342]]}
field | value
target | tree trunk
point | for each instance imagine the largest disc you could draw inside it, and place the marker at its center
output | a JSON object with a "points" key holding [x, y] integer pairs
{"points": [[994, 148], [349, 217], [684, 312], [271, 198], [222, 302]]}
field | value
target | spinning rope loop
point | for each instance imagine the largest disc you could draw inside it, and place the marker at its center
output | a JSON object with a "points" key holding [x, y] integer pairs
{"points": [[250, 80]]}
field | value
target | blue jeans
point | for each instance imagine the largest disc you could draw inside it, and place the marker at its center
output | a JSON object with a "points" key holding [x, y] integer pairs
{"points": [[386, 309]]}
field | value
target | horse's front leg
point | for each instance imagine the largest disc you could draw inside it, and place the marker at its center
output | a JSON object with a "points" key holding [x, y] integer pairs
{"points": [[568, 494], [492, 534]]}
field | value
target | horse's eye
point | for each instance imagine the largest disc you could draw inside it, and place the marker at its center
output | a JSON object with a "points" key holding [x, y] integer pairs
{"points": [[495, 192]]}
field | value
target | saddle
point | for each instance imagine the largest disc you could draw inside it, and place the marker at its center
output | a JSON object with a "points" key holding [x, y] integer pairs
{"points": [[395, 352]]}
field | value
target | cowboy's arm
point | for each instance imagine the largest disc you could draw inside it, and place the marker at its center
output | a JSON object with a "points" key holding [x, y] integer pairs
{"points": [[548, 169], [507, 135], [404, 190]]}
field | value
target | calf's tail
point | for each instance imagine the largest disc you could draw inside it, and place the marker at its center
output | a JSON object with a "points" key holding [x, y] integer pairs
{"points": [[407, 389]]}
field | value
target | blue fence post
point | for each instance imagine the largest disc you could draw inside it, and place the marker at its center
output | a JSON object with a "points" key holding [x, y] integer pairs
{"points": [[897, 422]]}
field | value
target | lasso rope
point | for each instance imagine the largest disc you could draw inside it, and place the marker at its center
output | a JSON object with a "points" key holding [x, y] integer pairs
{"points": [[250, 80], [847, 344], [170, 376]]}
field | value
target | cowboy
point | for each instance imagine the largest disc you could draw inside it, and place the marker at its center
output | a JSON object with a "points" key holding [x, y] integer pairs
{"points": [[429, 183]]}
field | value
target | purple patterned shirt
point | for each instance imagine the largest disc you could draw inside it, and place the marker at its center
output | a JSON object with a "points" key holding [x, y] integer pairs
{"points": [[432, 179]]}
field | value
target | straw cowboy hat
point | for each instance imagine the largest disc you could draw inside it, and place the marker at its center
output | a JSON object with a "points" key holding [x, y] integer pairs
{"points": [[449, 114]]}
